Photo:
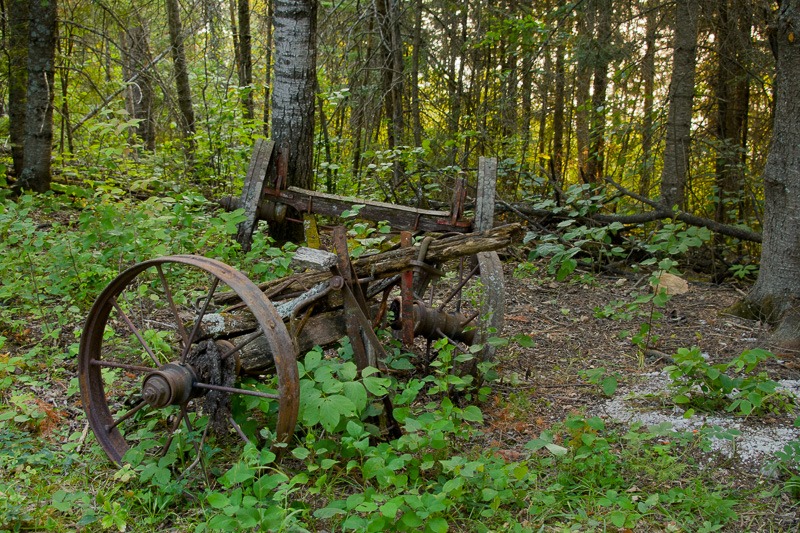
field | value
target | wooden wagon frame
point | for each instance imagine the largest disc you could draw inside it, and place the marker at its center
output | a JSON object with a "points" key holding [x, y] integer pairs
{"points": [[177, 340]]}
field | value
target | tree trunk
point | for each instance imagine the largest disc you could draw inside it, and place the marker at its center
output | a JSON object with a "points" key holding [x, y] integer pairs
{"points": [[416, 121], [388, 19], [455, 75], [775, 297], [732, 95], [181, 73], [583, 79], [246, 58], [237, 49], [268, 62], [39, 111], [681, 97], [602, 44], [18, 29], [544, 112], [136, 53], [293, 97], [648, 81], [558, 117], [65, 53]]}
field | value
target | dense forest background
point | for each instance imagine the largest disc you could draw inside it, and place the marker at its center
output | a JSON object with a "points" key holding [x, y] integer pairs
{"points": [[412, 93]]}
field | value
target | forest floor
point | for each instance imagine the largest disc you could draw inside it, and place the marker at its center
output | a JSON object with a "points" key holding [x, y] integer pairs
{"points": [[543, 384], [578, 337]]}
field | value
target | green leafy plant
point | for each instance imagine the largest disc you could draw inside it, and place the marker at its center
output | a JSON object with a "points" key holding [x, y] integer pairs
{"points": [[787, 464], [607, 381], [732, 386], [743, 271]]}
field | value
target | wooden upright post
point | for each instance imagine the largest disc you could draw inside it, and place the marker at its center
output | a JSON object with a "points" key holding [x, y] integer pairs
{"points": [[487, 183]]}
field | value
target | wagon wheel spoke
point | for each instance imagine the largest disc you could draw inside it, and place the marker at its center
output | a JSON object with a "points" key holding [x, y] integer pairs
{"points": [[199, 319], [173, 308], [238, 430], [243, 343], [173, 428], [122, 418], [235, 390], [123, 366], [198, 449], [135, 331]]}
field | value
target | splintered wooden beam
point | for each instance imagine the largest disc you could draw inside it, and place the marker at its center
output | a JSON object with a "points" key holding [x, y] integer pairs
{"points": [[255, 356], [394, 261]]}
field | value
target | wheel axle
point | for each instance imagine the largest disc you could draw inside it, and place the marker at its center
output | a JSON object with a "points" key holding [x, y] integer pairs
{"points": [[169, 385]]}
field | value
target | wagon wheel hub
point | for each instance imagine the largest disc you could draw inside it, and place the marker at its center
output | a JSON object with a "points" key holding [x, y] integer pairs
{"points": [[169, 385]]}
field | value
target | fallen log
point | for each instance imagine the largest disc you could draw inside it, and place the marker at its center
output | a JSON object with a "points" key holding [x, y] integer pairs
{"points": [[255, 357], [392, 262]]}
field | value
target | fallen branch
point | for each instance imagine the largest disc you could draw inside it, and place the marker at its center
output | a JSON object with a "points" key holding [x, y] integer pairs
{"points": [[659, 212]]}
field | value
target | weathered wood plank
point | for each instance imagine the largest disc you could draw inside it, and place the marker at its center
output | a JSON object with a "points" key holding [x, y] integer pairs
{"points": [[252, 191], [487, 185], [322, 329], [400, 217]]}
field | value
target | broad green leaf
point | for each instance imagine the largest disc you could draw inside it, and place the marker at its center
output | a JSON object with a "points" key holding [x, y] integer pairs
{"points": [[248, 517], [472, 413], [377, 386], [328, 512], [389, 509], [357, 394], [609, 385], [238, 473], [301, 453], [217, 500], [681, 399], [523, 340], [313, 360], [437, 525]]}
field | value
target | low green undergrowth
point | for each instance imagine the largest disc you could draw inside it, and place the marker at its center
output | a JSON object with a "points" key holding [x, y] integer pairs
{"points": [[444, 473], [734, 386], [447, 471]]}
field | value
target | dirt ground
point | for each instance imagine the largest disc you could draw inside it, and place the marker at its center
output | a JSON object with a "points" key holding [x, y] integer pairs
{"points": [[549, 379]]}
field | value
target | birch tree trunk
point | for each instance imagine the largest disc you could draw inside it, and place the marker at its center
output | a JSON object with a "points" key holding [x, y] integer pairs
{"points": [[293, 96]]}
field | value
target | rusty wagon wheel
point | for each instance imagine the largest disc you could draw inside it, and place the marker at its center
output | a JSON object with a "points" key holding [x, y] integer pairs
{"points": [[462, 300], [155, 375], [467, 305]]}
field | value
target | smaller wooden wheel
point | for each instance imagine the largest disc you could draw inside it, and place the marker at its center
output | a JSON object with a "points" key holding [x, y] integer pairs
{"points": [[466, 305], [156, 375]]}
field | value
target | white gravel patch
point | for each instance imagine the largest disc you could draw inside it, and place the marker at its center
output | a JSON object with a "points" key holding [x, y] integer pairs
{"points": [[754, 446]]}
